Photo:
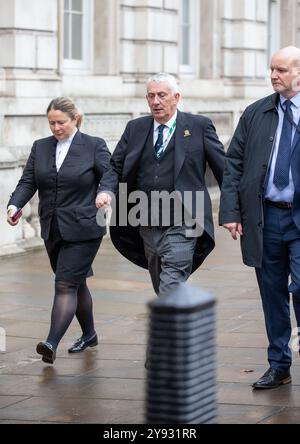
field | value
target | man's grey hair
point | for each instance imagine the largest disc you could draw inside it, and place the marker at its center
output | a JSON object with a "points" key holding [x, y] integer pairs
{"points": [[165, 77]]}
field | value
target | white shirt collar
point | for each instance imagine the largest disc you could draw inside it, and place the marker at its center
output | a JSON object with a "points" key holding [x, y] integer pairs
{"points": [[168, 124], [295, 100], [69, 140]]}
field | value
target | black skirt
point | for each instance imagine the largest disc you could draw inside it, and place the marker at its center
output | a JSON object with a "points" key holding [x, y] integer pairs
{"points": [[70, 261]]}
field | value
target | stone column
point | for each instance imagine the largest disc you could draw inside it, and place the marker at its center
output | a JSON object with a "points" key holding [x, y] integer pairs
{"points": [[9, 174], [298, 24], [107, 37], [210, 40], [289, 13], [245, 45], [28, 47], [34, 218], [149, 41]]}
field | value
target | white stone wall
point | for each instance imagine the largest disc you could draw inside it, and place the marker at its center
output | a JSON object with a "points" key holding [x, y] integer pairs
{"points": [[298, 23], [28, 47], [149, 41], [132, 39], [9, 173], [245, 39]]}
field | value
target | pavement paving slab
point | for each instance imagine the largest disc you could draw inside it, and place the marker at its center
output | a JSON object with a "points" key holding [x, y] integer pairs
{"points": [[106, 384]]}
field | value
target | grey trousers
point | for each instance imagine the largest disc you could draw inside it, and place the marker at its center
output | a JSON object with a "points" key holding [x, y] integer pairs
{"points": [[170, 256]]}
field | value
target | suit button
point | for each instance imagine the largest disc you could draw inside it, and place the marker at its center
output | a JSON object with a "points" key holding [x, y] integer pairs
{"points": [[259, 224], [265, 166], [271, 139]]}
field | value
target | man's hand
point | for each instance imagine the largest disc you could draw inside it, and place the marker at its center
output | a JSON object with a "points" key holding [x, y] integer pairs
{"points": [[10, 214], [234, 228], [103, 200]]}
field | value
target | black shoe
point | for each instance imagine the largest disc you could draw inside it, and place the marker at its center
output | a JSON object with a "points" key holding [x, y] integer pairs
{"points": [[273, 378], [81, 344], [47, 351]]}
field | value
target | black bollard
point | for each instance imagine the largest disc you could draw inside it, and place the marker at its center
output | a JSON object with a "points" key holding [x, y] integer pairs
{"points": [[181, 387]]}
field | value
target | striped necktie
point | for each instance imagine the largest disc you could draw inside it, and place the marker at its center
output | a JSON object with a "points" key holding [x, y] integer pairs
{"points": [[160, 140]]}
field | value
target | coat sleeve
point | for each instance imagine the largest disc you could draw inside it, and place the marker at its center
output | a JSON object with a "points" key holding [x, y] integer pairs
{"points": [[102, 157], [233, 172], [214, 151], [112, 176], [26, 187]]}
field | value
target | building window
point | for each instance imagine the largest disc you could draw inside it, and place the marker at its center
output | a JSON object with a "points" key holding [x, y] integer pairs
{"points": [[189, 37], [78, 18], [273, 28]]}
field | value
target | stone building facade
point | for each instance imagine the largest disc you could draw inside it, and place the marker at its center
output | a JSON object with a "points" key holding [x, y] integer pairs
{"points": [[100, 52]]}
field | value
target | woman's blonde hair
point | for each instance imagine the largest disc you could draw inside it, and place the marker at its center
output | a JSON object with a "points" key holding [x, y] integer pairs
{"points": [[66, 105]]}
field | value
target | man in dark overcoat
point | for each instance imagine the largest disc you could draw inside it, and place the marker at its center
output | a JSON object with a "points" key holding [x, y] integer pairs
{"points": [[260, 201]]}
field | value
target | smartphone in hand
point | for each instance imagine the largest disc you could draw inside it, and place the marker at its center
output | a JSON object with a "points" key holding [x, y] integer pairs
{"points": [[16, 216]]}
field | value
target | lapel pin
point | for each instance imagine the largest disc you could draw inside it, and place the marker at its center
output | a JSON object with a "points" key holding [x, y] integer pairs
{"points": [[187, 133]]}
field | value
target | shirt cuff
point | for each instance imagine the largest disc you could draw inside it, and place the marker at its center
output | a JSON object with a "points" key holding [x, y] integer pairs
{"points": [[12, 207]]}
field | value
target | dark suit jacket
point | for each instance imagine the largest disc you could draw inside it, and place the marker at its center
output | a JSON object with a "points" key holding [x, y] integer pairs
{"points": [[245, 175], [71, 192], [196, 143]]}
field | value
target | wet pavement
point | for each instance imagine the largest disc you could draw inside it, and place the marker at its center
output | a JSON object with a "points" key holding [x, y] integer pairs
{"points": [[105, 384]]}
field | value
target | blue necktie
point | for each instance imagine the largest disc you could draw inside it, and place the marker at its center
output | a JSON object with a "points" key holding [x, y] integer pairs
{"points": [[283, 161], [160, 139]]}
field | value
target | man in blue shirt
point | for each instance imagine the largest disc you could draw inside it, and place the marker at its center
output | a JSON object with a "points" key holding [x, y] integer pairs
{"points": [[260, 201]]}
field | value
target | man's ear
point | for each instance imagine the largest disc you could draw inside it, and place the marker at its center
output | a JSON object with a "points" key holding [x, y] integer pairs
{"points": [[296, 83]]}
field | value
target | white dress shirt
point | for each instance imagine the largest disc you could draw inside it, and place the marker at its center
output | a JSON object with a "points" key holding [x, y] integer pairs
{"points": [[168, 125], [287, 194], [62, 149]]}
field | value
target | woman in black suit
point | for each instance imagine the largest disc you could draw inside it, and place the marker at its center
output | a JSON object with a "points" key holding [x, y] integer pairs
{"points": [[66, 169]]}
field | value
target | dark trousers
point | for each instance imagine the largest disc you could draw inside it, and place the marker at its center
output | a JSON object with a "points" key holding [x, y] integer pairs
{"points": [[170, 256], [281, 261]]}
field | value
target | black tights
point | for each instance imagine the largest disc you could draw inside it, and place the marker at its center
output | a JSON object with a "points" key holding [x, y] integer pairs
{"points": [[71, 300]]}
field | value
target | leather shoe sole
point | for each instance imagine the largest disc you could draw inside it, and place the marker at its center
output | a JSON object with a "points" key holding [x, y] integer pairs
{"points": [[47, 352], [80, 345], [262, 386]]}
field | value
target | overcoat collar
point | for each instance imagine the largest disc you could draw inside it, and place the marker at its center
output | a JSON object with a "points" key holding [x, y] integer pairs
{"points": [[271, 103]]}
